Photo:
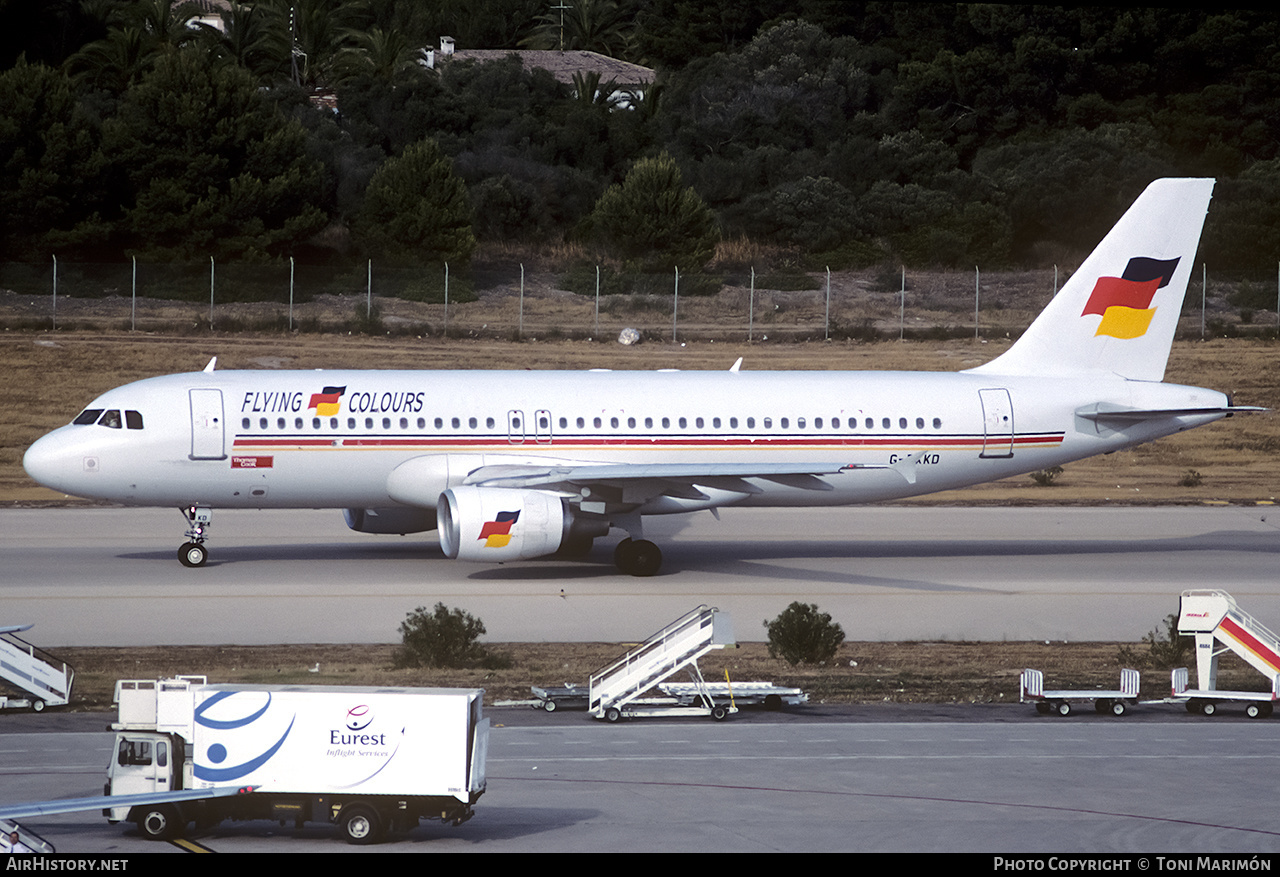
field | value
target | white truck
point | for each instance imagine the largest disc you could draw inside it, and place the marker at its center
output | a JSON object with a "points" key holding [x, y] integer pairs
{"points": [[368, 759]]}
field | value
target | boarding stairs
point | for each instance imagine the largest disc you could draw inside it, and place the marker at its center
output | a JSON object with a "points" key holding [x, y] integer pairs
{"points": [[615, 690], [45, 679], [1214, 619]]}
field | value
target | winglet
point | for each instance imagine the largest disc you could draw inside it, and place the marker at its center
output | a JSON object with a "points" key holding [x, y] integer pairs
{"points": [[212, 364], [1118, 312], [736, 366]]}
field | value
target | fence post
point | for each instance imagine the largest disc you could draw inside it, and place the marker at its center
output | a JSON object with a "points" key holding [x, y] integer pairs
{"points": [[291, 293], [751, 306], [54, 319], [902, 307], [520, 326], [368, 285], [211, 293], [675, 307], [595, 331], [446, 298], [977, 276], [133, 299], [826, 320]]}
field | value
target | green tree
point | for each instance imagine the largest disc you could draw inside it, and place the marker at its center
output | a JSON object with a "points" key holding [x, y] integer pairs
{"points": [[602, 26], [255, 37], [416, 208], [652, 218], [207, 165], [50, 166], [802, 634]]}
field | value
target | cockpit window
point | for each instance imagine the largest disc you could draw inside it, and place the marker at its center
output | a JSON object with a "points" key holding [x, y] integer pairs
{"points": [[87, 416], [133, 419], [111, 418]]}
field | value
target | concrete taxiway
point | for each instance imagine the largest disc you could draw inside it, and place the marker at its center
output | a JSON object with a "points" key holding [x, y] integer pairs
{"points": [[111, 576], [996, 779]]}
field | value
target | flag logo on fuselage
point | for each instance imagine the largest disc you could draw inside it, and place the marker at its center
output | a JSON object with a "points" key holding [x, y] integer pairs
{"points": [[1124, 302], [497, 533], [328, 402]]}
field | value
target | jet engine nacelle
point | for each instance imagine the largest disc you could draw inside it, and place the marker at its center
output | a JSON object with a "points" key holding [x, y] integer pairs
{"points": [[391, 520], [497, 524]]}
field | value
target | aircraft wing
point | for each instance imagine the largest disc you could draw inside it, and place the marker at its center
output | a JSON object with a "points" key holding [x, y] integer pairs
{"points": [[641, 482], [102, 802]]}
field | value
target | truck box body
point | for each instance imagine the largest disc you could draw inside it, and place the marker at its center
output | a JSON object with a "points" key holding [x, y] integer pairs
{"points": [[316, 748]]}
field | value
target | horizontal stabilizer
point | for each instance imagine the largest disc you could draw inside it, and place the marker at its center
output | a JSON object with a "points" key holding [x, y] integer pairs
{"points": [[1104, 413]]}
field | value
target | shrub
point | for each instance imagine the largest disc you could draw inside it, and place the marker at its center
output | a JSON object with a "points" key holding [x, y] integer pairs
{"points": [[443, 638], [803, 635], [1046, 477], [1164, 650]]}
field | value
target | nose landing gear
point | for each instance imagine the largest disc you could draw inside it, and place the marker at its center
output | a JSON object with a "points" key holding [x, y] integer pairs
{"points": [[193, 553]]}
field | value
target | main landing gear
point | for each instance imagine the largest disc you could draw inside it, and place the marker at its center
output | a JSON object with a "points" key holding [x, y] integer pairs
{"points": [[637, 557], [193, 553]]}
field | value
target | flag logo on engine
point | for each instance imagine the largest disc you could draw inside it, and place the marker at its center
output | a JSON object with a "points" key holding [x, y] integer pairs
{"points": [[497, 533]]}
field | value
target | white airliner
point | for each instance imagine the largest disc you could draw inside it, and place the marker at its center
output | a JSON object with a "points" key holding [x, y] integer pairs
{"points": [[511, 465]]}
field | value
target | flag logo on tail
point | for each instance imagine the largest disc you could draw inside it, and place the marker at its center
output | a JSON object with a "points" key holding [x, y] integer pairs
{"points": [[1124, 302], [497, 533], [327, 403]]}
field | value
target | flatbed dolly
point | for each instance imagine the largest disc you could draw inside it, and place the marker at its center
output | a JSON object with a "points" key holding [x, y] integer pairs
{"points": [[1032, 690]]}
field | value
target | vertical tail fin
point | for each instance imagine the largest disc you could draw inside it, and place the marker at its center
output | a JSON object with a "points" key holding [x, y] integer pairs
{"points": [[1118, 312]]}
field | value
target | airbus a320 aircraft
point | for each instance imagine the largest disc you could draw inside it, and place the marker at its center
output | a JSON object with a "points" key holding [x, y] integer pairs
{"points": [[509, 465]]}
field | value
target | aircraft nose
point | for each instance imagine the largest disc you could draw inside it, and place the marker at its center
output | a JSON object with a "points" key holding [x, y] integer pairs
{"points": [[51, 463]]}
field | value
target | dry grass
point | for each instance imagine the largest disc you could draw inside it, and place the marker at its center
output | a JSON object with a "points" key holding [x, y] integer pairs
{"points": [[862, 672]]}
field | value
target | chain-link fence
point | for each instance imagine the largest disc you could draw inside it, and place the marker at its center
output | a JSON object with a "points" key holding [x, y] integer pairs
{"points": [[503, 300]]}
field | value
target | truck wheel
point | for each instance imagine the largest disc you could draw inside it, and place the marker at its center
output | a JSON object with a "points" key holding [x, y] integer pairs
{"points": [[612, 714], [1063, 708], [1208, 708], [1253, 711], [1118, 708], [772, 702], [719, 713], [360, 824], [37, 706], [160, 822], [549, 706]]}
